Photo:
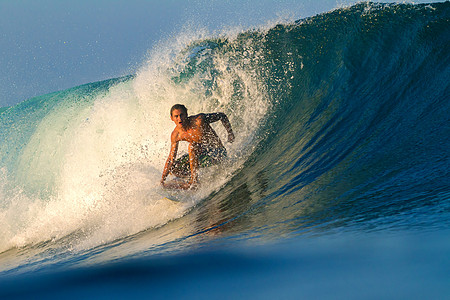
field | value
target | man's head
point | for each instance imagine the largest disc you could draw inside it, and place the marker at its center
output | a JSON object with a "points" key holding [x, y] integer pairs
{"points": [[179, 107], [179, 114]]}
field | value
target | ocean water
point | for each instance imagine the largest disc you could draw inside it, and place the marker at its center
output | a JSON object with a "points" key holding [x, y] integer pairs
{"points": [[337, 185]]}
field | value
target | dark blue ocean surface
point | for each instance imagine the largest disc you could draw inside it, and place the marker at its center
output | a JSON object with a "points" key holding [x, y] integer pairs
{"points": [[384, 266], [337, 185]]}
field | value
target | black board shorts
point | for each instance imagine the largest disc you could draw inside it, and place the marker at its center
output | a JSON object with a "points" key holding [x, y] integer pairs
{"points": [[206, 158]]}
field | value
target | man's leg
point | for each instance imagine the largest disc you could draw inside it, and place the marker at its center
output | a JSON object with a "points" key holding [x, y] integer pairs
{"points": [[180, 167]]}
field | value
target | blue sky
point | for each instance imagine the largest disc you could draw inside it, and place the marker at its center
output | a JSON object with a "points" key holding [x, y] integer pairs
{"points": [[51, 45]]}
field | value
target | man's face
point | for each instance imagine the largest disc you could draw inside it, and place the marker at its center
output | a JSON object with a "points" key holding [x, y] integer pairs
{"points": [[179, 117]]}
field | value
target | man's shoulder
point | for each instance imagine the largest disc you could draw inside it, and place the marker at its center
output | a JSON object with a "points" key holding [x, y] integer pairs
{"points": [[197, 118], [175, 135]]}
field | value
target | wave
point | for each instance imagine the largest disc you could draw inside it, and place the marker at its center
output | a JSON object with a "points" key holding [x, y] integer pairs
{"points": [[341, 123]]}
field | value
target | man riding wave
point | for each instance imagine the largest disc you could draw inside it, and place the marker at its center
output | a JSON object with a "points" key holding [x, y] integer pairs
{"points": [[205, 147]]}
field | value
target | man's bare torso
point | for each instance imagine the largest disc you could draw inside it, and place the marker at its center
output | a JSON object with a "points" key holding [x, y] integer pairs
{"points": [[199, 133]]}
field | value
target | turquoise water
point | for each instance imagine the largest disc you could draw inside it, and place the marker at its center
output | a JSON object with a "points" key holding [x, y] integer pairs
{"points": [[337, 184]]}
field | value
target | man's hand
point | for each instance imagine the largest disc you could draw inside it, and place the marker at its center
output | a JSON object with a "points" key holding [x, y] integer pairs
{"points": [[230, 137]]}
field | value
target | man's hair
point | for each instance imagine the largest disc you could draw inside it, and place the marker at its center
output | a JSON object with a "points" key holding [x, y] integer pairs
{"points": [[180, 107]]}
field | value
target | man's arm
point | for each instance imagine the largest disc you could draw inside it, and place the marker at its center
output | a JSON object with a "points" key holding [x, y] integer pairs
{"points": [[171, 158], [214, 117]]}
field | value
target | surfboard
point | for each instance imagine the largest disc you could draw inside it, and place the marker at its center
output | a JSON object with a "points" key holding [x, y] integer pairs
{"points": [[172, 200]]}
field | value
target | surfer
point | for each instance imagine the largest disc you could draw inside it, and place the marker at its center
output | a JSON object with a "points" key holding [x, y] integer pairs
{"points": [[205, 147]]}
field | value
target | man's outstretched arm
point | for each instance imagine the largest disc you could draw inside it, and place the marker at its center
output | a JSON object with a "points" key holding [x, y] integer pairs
{"points": [[170, 160], [214, 117]]}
